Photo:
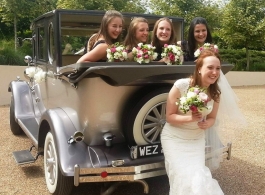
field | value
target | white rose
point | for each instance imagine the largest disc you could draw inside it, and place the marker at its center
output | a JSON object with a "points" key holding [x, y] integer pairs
{"points": [[191, 94], [182, 100], [140, 44], [154, 56], [40, 76], [125, 55], [30, 71], [197, 53], [139, 60], [146, 60], [109, 56], [117, 55]]}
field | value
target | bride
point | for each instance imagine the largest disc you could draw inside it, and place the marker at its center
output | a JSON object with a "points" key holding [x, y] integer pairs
{"points": [[183, 136]]}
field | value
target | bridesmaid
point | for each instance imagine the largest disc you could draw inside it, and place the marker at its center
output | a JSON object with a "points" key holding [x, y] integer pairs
{"points": [[199, 33], [137, 33], [163, 33], [109, 33]]}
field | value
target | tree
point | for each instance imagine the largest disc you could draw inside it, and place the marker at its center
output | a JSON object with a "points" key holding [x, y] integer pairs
{"points": [[119, 5], [243, 25], [188, 9], [12, 11]]}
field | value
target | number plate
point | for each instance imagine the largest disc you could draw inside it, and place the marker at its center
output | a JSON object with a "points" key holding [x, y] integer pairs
{"points": [[146, 150]]}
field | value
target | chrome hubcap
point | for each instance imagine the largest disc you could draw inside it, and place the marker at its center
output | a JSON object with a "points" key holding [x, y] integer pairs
{"points": [[51, 163]]}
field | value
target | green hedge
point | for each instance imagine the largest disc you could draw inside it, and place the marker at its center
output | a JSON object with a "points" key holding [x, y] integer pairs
{"points": [[238, 58], [8, 55]]}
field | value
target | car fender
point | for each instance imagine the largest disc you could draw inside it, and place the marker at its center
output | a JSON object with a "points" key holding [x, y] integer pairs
{"points": [[22, 99], [62, 124]]}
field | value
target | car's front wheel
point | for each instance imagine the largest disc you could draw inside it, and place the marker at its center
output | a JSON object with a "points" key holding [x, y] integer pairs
{"points": [[57, 183], [146, 117]]}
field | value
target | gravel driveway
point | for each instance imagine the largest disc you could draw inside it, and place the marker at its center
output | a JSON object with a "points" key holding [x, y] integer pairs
{"points": [[244, 174]]}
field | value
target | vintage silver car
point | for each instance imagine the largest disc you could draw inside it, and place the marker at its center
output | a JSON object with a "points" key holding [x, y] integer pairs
{"points": [[93, 122]]}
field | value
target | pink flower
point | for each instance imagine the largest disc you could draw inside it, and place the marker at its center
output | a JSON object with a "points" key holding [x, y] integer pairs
{"points": [[203, 97], [196, 90], [193, 108], [171, 54], [172, 57], [113, 49], [146, 56], [145, 50]]}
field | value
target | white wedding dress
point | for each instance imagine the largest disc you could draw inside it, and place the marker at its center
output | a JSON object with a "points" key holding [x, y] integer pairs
{"points": [[184, 150]]}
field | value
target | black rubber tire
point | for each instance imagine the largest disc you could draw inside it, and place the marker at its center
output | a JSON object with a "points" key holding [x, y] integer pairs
{"points": [[144, 119], [15, 128], [57, 183]]}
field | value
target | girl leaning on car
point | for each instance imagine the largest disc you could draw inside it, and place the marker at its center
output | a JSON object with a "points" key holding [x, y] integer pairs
{"points": [[109, 33]]}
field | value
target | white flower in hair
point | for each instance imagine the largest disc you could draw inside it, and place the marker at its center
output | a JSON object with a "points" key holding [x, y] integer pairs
{"points": [[206, 46]]}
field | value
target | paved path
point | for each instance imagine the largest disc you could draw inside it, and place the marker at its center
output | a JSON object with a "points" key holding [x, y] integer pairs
{"points": [[244, 174]]}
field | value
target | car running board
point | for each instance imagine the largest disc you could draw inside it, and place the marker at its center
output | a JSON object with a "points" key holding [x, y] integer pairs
{"points": [[25, 157]]}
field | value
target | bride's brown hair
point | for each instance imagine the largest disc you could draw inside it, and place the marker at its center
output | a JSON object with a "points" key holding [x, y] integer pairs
{"points": [[213, 89]]}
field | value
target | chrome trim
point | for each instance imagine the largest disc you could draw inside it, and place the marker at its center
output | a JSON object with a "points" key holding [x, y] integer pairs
{"points": [[133, 151], [131, 173], [76, 175], [145, 185], [117, 163]]}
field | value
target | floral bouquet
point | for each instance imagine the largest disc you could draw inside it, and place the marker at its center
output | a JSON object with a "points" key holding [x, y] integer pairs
{"points": [[144, 53], [116, 52], [195, 99], [40, 76], [172, 54], [206, 46], [35, 74]]}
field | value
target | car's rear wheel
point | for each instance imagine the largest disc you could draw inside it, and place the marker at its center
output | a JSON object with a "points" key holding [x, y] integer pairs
{"points": [[57, 183], [146, 118], [15, 128]]}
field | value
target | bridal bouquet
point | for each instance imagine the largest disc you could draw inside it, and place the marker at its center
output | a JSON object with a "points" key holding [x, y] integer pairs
{"points": [[206, 46], [144, 53], [195, 100], [35, 74], [116, 52], [172, 54]]}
